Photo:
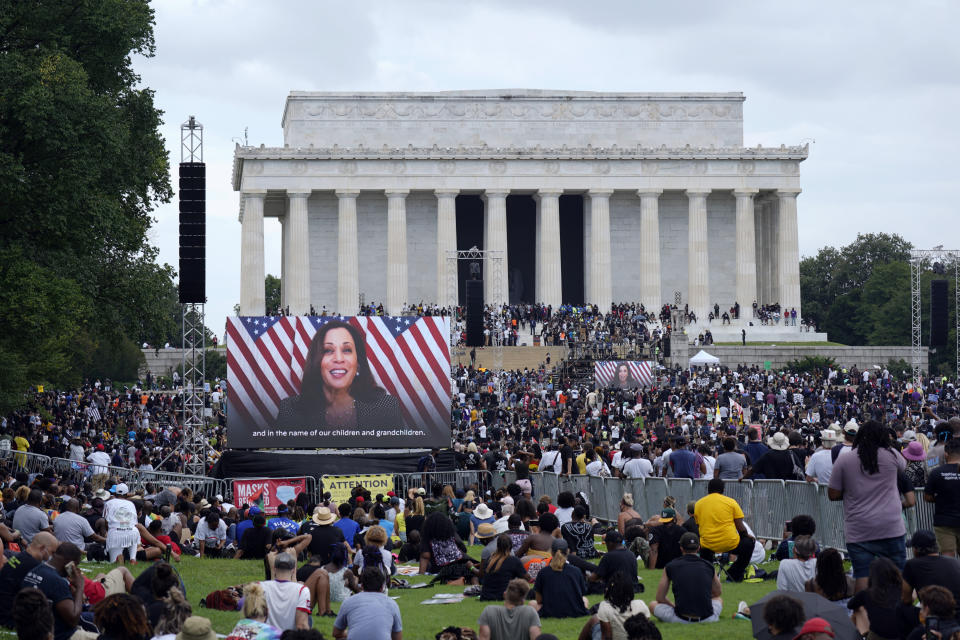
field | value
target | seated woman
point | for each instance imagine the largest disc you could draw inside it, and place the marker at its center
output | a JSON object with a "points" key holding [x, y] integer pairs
{"points": [[560, 588], [442, 552], [254, 621], [375, 555], [874, 609], [830, 580], [617, 605], [500, 569], [333, 582], [536, 550]]}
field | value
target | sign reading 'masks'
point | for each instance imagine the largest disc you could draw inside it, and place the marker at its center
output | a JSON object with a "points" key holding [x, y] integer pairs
{"points": [[267, 493]]}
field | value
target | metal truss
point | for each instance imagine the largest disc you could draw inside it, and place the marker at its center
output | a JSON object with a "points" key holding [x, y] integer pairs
{"points": [[921, 260], [492, 262], [193, 450]]}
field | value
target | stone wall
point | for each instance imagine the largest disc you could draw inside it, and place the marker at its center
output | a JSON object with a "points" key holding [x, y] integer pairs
{"points": [[162, 362], [779, 356]]}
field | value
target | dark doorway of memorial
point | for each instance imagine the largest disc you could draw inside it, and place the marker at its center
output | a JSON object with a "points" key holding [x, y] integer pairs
{"points": [[469, 234], [522, 249], [571, 249]]}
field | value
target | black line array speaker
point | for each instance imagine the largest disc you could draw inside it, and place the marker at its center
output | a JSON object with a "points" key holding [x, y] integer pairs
{"points": [[193, 232], [474, 296], [938, 313]]}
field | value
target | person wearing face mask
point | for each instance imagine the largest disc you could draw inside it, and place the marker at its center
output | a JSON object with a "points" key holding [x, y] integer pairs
{"points": [[338, 388], [40, 550]]}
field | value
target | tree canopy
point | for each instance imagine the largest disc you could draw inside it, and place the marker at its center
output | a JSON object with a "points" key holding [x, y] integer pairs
{"points": [[82, 165]]}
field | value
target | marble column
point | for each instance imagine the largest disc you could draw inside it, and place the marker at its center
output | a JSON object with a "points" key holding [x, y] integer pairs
{"points": [[789, 251], [251, 254], [495, 239], [549, 277], [284, 228], [601, 286], [698, 257], [396, 250], [348, 254], [746, 249], [650, 294], [297, 255], [446, 242]]}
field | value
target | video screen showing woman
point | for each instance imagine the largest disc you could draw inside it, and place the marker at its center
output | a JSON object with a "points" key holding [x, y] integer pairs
{"points": [[624, 378], [338, 388]]}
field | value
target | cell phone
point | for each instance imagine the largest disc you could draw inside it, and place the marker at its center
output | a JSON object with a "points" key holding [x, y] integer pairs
{"points": [[70, 568], [786, 526]]}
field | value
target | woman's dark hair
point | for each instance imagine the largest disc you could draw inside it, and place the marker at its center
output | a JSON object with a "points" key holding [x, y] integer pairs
{"points": [[565, 500], [363, 388], [630, 381], [885, 581], [122, 616], [372, 557], [525, 509], [579, 513], [32, 615], [338, 555], [548, 522], [379, 513], [372, 579], [437, 526], [639, 627], [631, 533], [619, 591], [830, 575], [729, 444], [803, 525], [301, 634], [504, 549], [783, 612], [871, 437], [163, 579], [213, 519]]}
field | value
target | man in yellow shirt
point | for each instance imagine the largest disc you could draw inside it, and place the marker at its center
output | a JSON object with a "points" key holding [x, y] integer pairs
{"points": [[720, 520], [22, 444]]}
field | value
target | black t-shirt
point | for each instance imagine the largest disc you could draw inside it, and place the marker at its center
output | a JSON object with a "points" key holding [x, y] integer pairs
{"points": [[143, 585], [690, 524], [883, 615], [562, 592], [939, 570], [495, 582], [324, 538], [496, 461], [579, 535], [56, 588], [472, 461], [776, 465], [414, 523], [619, 560], [692, 579], [944, 484], [11, 577], [255, 542], [566, 453], [667, 539]]}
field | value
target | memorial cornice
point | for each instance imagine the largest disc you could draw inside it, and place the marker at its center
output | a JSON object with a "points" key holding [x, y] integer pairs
{"points": [[400, 155]]}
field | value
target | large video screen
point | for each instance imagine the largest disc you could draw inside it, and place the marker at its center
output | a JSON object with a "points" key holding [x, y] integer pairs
{"points": [[315, 382], [623, 374]]}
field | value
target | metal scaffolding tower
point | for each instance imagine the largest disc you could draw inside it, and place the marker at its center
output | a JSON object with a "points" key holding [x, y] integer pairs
{"points": [[920, 260]]}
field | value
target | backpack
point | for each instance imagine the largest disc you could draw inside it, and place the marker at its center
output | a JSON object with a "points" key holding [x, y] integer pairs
{"points": [[223, 600], [445, 552]]}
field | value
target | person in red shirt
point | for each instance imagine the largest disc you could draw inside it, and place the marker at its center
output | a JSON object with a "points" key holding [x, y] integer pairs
{"points": [[120, 580]]}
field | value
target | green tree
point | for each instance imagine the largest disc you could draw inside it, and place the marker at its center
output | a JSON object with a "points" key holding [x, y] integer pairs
{"points": [[82, 166], [271, 285]]}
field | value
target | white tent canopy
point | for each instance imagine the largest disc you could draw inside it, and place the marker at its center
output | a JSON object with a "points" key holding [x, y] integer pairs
{"points": [[704, 358]]}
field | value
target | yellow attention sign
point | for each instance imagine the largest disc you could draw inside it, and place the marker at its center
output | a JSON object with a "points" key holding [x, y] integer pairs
{"points": [[340, 486]]}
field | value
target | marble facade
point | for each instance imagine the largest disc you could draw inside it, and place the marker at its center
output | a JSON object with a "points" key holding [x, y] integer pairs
{"points": [[674, 206]]}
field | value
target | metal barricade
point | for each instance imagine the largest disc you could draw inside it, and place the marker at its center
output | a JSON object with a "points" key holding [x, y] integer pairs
{"points": [[742, 492], [613, 490], [551, 486], [480, 481], [682, 490], [700, 488], [922, 514], [801, 498], [24, 460], [830, 521], [654, 491], [769, 505], [597, 494]]}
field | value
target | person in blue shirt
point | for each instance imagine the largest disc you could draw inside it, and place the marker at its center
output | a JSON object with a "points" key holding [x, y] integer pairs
{"points": [[348, 525], [685, 463], [282, 521], [245, 524], [755, 448]]}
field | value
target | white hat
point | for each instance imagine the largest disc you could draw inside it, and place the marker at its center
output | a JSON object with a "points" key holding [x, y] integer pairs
{"points": [[851, 427], [779, 441], [829, 435], [122, 489], [908, 436], [483, 511]]}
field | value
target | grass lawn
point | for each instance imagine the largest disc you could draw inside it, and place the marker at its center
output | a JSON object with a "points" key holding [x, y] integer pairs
{"points": [[204, 576]]}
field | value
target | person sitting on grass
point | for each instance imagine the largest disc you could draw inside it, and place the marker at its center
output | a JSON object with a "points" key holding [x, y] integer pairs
{"points": [[374, 554], [793, 573], [331, 582], [370, 614], [938, 610], [288, 601], [500, 570], [31, 615], [535, 552], [801, 525], [783, 616], [410, 550], [830, 580], [874, 609], [255, 614], [513, 620], [176, 610], [617, 605], [255, 541], [560, 587], [640, 627], [696, 588], [121, 616], [616, 560], [722, 529], [442, 552]]}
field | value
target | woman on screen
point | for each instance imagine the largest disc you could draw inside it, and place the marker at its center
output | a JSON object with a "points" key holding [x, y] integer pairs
{"points": [[624, 379], [338, 389]]}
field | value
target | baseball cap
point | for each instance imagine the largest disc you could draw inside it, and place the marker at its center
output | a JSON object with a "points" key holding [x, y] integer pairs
{"points": [[689, 541], [255, 511], [908, 436], [923, 538], [815, 625], [851, 427], [668, 515], [506, 500]]}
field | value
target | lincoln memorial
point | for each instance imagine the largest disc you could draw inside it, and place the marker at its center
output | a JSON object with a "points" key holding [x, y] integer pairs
{"points": [[585, 197]]}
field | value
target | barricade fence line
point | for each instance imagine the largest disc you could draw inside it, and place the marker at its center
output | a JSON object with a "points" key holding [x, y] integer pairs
{"points": [[24, 460], [78, 472], [767, 504]]}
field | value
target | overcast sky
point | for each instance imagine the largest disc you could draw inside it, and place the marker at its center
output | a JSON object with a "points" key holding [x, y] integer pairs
{"points": [[875, 84]]}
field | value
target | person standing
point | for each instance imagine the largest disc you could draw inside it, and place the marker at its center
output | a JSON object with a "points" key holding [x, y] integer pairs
{"points": [[866, 481], [820, 466], [943, 490]]}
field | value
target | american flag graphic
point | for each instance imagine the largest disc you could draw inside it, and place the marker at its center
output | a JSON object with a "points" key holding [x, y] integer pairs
{"points": [[605, 371], [409, 357]]}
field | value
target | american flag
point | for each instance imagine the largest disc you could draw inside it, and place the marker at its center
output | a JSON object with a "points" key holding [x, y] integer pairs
{"points": [[409, 357], [605, 371]]}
